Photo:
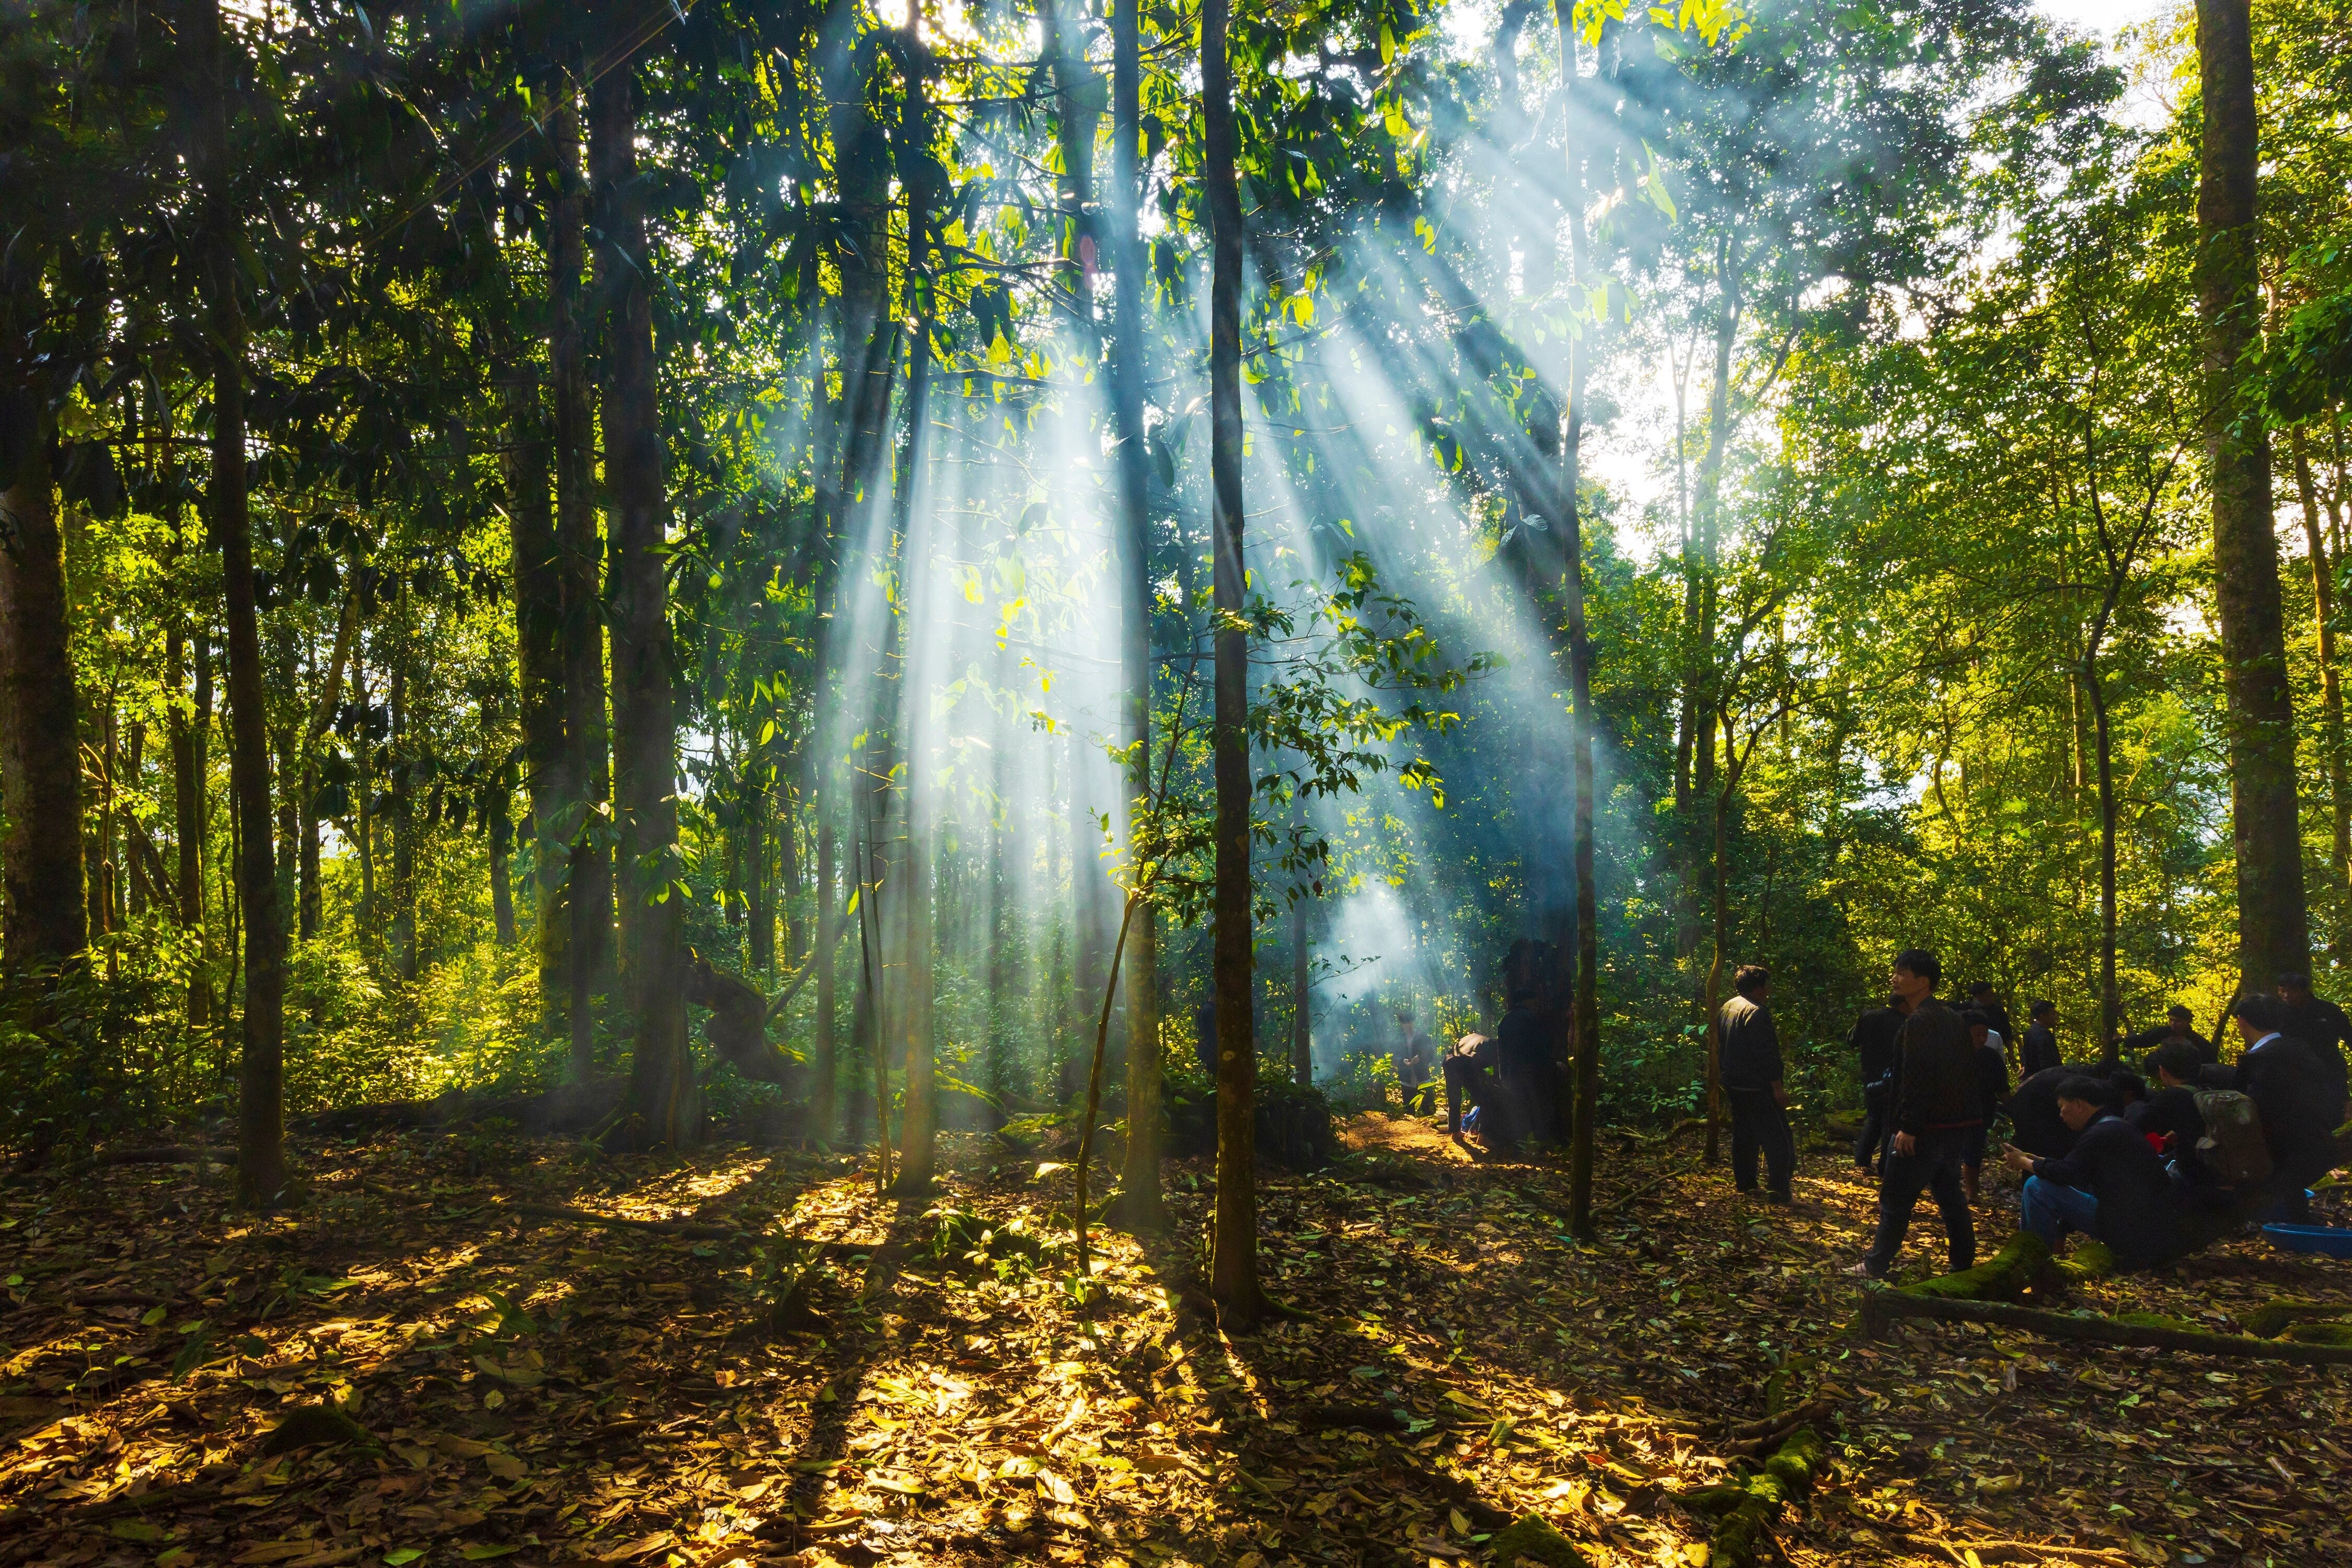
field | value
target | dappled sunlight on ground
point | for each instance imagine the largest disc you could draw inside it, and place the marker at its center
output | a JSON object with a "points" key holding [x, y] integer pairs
{"points": [[536, 1390]]}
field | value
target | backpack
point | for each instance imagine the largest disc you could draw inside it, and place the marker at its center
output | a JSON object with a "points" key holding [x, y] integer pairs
{"points": [[2232, 1148]]}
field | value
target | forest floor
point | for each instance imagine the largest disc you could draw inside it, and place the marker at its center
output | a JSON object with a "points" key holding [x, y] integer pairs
{"points": [[533, 1390]]}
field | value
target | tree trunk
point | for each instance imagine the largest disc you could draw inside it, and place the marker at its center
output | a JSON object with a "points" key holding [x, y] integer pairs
{"points": [[40, 771], [322, 715], [2110, 998], [2273, 932], [920, 1121], [755, 789], [2331, 689], [539, 675], [403, 820], [1140, 1182], [1234, 1281], [661, 1110], [261, 1087], [581, 824], [1707, 528], [187, 791], [1302, 1043], [822, 1059], [1721, 930]]}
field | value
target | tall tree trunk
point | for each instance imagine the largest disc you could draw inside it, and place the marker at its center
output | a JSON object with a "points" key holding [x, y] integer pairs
{"points": [[196, 821], [580, 821], [1140, 1181], [1302, 1042], [403, 820], [2331, 689], [2110, 998], [322, 714], [1234, 1281], [757, 790], [261, 1079], [539, 675], [2272, 931], [1699, 677], [919, 1119], [787, 817], [41, 769], [1720, 933], [823, 1054], [662, 1109]]}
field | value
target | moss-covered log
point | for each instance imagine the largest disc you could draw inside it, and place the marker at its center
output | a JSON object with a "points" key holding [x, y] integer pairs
{"points": [[1881, 1308], [2272, 1319], [1746, 1510], [2008, 1274]]}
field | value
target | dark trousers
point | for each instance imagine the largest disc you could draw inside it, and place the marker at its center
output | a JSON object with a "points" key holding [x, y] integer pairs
{"points": [[1465, 1079], [1870, 1140], [1758, 1124], [1932, 1166]]}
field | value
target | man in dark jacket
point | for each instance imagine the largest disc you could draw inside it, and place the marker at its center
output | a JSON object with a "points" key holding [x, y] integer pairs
{"points": [[1748, 1052], [1992, 1093], [1872, 1041], [2112, 1187], [1523, 1067], [2300, 1100], [1935, 1105], [1986, 1000], [2038, 1052], [2169, 1111], [2177, 1025], [2321, 1024], [2038, 1128]]}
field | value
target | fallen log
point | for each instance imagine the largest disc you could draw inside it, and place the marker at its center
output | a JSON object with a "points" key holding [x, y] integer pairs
{"points": [[1881, 1307]]}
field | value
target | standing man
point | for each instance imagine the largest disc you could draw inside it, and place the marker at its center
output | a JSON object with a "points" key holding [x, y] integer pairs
{"points": [[2178, 1024], [1936, 1105], [1986, 1000], [2300, 1098], [1750, 1058], [2039, 1051], [1872, 1041], [2319, 1024]]}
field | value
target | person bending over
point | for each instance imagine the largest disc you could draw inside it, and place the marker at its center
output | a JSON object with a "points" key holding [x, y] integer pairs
{"points": [[1750, 1054], [1935, 1105], [2112, 1187]]}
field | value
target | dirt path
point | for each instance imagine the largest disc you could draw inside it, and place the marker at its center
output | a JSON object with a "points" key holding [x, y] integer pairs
{"points": [[537, 1391]]}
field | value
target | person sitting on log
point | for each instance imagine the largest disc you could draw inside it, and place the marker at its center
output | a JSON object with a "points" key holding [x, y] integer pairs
{"points": [[1936, 1104], [2112, 1187], [1992, 1086]]}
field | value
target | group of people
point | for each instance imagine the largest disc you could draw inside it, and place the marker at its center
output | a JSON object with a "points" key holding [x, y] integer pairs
{"points": [[2102, 1151]]}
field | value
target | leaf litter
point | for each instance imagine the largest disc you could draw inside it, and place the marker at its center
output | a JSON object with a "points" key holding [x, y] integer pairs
{"points": [[410, 1369]]}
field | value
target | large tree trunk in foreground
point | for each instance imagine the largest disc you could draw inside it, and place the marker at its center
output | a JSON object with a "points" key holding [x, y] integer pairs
{"points": [[40, 768], [1233, 1282], [662, 1109], [1140, 1182], [2272, 933], [586, 772]]}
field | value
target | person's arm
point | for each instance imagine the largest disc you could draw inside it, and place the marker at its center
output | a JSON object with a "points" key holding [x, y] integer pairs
{"points": [[2074, 1169]]}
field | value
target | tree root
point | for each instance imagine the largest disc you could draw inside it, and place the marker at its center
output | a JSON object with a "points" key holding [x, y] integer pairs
{"points": [[1744, 1510], [1881, 1307]]}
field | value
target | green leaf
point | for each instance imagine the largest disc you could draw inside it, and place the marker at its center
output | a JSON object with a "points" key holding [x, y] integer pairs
{"points": [[400, 1555]]}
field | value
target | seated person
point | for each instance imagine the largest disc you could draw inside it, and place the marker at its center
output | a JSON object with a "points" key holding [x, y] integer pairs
{"points": [[2033, 1116], [1993, 1083], [2111, 1186], [2170, 1114]]}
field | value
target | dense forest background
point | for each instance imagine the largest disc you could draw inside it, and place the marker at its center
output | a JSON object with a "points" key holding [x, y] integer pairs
{"points": [[520, 513]]}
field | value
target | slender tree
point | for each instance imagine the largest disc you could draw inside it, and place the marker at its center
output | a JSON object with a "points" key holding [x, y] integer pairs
{"points": [[40, 772]]}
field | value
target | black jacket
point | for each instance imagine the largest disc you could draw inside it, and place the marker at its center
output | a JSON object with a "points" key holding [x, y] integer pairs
{"points": [[2138, 1214], [2169, 1111], [1525, 1048], [1937, 1081], [2037, 1052], [2321, 1024], [2290, 1085], [1992, 1078], [2137, 1046], [1873, 1041], [1751, 1047], [2033, 1113]]}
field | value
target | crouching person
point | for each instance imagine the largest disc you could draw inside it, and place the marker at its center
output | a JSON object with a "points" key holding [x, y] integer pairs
{"points": [[2112, 1186]]}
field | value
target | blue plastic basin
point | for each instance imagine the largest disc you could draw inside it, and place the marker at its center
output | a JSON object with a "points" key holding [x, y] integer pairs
{"points": [[2334, 1241]]}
